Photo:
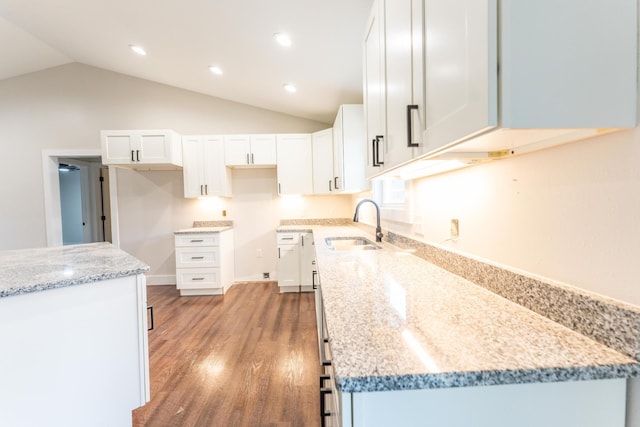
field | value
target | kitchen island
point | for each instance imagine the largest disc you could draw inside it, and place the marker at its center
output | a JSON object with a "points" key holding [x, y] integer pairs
{"points": [[412, 344], [73, 328]]}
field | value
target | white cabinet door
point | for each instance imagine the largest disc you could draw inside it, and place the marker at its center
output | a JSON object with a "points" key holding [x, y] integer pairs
{"points": [[157, 147], [117, 147], [374, 89], [237, 149], [289, 267], [216, 177], [192, 166], [307, 261], [349, 149], [263, 150], [400, 57], [461, 69], [294, 164], [322, 147]]}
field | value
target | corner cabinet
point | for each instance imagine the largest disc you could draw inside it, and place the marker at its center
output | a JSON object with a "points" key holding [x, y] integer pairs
{"points": [[204, 262], [142, 149], [204, 171], [244, 151], [294, 164]]}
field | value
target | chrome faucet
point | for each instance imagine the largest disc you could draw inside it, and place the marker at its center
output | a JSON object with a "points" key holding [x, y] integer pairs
{"points": [[378, 229]]}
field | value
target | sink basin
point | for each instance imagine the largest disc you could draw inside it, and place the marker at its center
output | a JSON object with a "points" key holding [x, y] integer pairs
{"points": [[351, 244]]}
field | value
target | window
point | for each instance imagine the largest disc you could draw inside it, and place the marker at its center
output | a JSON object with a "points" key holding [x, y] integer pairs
{"points": [[394, 197]]}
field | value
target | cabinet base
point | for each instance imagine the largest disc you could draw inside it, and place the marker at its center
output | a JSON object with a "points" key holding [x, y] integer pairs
{"points": [[297, 288]]}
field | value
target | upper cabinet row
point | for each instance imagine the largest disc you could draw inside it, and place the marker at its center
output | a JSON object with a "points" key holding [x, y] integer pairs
{"points": [[495, 76], [325, 162]]}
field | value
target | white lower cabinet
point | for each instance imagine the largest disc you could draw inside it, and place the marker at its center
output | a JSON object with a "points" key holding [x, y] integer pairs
{"points": [[75, 356], [204, 262], [296, 261]]}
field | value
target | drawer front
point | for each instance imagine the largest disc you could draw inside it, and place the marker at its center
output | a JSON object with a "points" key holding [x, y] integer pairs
{"points": [[197, 239], [198, 278], [285, 238], [197, 257]]}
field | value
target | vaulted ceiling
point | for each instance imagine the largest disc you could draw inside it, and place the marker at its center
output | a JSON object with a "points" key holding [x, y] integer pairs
{"points": [[184, 38]]}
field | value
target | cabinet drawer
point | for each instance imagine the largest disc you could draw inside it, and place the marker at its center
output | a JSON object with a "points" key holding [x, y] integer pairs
{"points": [[198, 278], [197, 257], [285, 238], [198, 239]]}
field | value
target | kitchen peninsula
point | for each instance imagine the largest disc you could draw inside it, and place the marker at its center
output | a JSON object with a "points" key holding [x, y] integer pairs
{"points": [[410, 341], [73, 327]]}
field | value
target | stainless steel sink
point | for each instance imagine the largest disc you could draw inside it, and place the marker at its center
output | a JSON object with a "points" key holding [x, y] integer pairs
{"points": [[357, 243]]}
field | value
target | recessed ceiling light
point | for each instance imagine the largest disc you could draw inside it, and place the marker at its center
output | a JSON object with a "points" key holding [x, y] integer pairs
{"points": [[289, 87], [137, 49], [215, 70], [283, 39]]}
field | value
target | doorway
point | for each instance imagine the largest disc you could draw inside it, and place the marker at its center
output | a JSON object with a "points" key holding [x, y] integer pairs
{"points": [[98, 197], [84, 200]]}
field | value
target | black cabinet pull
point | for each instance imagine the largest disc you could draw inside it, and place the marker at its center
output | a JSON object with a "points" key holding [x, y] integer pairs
{"points": [[279, 188], [132, 159], [197, 240], [374, 161], [330, 182], [248, 158], [150, 310], [279, 253], [197, 257], [201, 192], [323, 413], [335, 183], [314, 274], [252, 162], [376, 151], [197, 278], [137, 155], [206, 189], [410, 143]]}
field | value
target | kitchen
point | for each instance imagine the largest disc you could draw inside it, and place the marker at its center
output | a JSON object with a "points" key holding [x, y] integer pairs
{"points": [[576, 223]]}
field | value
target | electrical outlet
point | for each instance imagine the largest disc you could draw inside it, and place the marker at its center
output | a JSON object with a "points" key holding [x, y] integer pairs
{"points": [[265, 275], [455, 228]]}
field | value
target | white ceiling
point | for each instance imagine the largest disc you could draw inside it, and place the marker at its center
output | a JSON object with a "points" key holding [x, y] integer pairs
{"points": [[184, 37]]}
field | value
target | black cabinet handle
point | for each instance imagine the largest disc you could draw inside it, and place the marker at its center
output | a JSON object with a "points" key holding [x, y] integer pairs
{"points": [[330, 182], [252, 162], [137, 155], [197, 278], [335, 183], [197, 240], [132, 159], [376, 151], [314, 274], [248, 158], [323, 413], [279, 253], [410, 142], [201, 193], [150, 310], [206, 189], [374, 161], [197, 257], [279, 188]]}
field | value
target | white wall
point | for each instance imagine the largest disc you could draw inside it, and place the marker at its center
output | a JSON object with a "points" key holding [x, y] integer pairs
{"points": [[65, 108], [569, 213]]}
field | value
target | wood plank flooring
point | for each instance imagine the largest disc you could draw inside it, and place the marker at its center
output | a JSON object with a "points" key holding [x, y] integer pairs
{"points": [[248, 358]]}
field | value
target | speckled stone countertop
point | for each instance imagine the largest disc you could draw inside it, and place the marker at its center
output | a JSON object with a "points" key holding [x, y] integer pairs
{"points": [[398, 322], [196, 230], [32, 270]]}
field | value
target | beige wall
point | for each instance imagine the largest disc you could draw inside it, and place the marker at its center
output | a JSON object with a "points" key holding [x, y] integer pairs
{"points": [[65, 108]]}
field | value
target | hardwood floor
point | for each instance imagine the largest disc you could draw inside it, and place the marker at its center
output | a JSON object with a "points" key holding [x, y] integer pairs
{"points": [[248, 358]]}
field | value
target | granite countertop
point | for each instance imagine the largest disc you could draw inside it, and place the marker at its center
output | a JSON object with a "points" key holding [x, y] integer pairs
{"points": [[397, 322], [195, 230], [32, 270]]}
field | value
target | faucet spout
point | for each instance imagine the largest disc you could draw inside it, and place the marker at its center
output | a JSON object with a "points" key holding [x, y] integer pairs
{"points": [[378, 228]]}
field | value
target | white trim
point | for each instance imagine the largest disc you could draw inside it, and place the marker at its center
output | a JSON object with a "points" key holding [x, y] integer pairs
{"points": [[51, 187], [113, 203]]}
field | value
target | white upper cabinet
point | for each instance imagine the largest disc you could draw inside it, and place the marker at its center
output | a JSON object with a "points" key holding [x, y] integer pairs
{"points": [[204, 171], [250, 150], [141, 149], [349, 149], [322, 154], [561, 68], [294, 165], [374, 90]]}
